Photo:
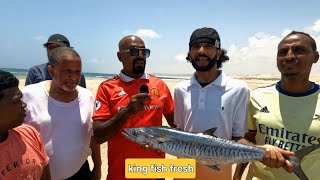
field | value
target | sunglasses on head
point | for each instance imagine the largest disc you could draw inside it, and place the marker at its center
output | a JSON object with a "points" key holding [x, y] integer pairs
{"points": [[135, 51]]}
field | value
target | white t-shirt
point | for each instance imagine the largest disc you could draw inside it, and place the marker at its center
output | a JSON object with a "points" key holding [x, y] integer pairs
{"points": [[221, 104], [66, 128]]}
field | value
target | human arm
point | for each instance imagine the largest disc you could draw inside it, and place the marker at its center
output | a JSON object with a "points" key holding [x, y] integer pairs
{"points": [[168, 110], [240, 168], [170, 118], [274, 157], [178, 119], [96, 158], [46, 173], [105, 129]]}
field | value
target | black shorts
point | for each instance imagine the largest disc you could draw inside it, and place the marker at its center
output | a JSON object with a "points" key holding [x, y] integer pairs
{"points": [[84, 173]]}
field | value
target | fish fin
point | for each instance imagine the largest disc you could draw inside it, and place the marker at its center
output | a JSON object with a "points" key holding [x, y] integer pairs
{"points": [[210, 132], [299, 155], [299, 172], [163, 139], [215, 167]]}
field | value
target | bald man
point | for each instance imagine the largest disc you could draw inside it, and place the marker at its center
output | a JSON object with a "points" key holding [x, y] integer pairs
{"points": [[122, 103]]}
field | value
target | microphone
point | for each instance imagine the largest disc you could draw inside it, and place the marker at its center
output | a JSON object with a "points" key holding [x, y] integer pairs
{"points": [[144, 89]]}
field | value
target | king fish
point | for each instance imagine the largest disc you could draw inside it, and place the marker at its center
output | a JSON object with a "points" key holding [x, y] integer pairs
{"points": [[205, 147]]}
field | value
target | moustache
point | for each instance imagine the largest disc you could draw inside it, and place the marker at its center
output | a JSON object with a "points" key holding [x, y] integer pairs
{"points": [[284, 62], [138, 59], [202, 56]]}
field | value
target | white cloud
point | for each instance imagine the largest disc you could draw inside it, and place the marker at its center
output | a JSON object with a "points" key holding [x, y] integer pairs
{"points": [[143, 33], [147, 33], [315, 28], [180, 57], [285, 32], [260, 47], [39, 38], [95, 61], [258, 54]]}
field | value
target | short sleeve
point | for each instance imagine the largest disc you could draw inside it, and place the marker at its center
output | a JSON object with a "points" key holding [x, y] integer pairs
{"points": [[34, 136], [30, 77], [251, 121], [169, 105], [239, 118], [101, 105]]}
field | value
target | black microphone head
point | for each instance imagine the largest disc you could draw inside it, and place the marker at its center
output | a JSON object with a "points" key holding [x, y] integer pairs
{"points": [[144, 89]]}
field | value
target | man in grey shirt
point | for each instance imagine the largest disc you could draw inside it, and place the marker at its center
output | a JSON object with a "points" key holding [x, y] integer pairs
{"points": [[39, 72]]}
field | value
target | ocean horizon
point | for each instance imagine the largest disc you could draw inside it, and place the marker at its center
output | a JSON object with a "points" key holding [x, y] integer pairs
{"points": [[173, 77]]}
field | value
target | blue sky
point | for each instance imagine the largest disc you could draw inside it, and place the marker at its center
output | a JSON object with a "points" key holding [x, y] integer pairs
{"points": [[249, 30]]}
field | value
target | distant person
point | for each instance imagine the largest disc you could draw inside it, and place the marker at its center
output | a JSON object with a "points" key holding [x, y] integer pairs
{"points": [[210, 98], [62, 112], [286, 115], [133, 98], [22, 153], [40, 72]]}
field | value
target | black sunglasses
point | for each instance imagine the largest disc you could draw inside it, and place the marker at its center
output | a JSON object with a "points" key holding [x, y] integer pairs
{"points": [[135, 51]]}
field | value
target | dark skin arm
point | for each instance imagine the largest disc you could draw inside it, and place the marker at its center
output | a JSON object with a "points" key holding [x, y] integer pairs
{"points": [[106, 129], [96, 158], [240, 167], [46, 173], [274, 157], [170, 118]]}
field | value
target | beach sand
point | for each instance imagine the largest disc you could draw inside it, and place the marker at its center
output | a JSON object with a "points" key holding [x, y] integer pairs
{"points": [[253, 81]]}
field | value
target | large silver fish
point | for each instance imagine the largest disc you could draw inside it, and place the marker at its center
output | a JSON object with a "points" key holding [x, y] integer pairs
{"points": [[206, 148]]}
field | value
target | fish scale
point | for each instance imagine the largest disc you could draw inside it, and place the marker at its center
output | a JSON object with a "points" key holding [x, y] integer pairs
{"points": [[222, 155]]}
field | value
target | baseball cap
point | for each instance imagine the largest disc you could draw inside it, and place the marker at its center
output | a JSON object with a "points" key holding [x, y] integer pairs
{"points": [[58, 39], [205, 35]]}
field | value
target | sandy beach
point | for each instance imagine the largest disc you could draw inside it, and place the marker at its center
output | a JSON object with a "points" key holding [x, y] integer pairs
{"points": [[253, 81]]}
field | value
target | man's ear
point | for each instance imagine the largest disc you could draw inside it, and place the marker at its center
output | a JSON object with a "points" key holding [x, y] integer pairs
{"points": [[50, 70], [119, 56], [219, 53], [316, 57], [188, 57]]}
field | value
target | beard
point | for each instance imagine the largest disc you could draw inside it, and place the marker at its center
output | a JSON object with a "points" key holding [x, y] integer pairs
{"points": [[208, 67], [68, 89], [138, 69], [65, 88]]}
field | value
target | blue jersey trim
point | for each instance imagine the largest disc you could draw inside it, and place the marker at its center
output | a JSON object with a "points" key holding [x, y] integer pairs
{"points": [[313, 90]]}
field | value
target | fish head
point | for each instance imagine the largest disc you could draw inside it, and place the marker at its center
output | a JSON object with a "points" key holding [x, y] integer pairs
{"points": [[147, 135], [138, 135]]}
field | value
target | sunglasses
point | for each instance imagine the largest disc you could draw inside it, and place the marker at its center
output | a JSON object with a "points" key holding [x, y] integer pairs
{"points": [[135, 51]]}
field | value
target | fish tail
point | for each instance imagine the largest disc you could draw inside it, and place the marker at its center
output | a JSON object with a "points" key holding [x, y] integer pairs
{"points": [[299, 155]]}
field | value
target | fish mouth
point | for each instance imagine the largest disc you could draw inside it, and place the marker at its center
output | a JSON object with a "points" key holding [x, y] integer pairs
{"points": [[130, 135], [127, 133]]}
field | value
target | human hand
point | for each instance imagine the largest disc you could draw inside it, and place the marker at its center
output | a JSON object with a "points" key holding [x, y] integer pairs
{"points": [[275, 158], [148, 147], [136, 103], [96, 173]]}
